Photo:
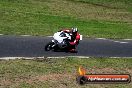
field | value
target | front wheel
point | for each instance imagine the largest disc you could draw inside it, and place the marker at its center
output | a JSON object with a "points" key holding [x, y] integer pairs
{"points": [[48, 46]]}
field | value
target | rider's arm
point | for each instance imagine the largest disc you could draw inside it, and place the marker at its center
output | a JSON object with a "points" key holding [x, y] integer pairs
{"points": [[76, 40]]}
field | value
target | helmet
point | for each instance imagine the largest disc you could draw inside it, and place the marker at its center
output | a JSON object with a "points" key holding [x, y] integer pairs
{"points": [[74, 30]]}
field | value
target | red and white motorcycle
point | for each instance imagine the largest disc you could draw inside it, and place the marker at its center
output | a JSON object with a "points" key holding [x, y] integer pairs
{"points": [[60, 42]]}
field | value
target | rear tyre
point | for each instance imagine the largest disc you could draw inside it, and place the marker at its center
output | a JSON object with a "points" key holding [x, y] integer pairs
{"points": [[48, 46]]}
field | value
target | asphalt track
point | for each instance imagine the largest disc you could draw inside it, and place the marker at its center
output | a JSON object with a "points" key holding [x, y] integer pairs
{"points": [[33, 46]]}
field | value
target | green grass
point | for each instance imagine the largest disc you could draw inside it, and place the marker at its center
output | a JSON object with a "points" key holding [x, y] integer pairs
{"points": [[58, 73], [113, 4], [44, 17]]}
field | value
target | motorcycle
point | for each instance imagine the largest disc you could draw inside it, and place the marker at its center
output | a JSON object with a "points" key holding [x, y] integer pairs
{"points": [[60, 42]]}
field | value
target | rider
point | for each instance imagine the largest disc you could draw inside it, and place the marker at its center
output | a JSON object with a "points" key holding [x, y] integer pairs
{"points": [[75, 37]]}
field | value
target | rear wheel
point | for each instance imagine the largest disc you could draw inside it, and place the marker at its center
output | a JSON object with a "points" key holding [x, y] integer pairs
{"points": [[48, 46]]}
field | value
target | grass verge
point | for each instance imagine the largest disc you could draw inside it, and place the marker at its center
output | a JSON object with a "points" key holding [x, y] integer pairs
{"points": [[58, 73], [44, 17]]}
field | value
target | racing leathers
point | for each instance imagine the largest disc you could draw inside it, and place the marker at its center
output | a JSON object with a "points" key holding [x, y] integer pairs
{"points": [[75, 37]]}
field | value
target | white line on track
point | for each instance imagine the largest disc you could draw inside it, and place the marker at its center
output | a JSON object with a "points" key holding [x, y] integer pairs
{"points": [[49, 36], [12, 58], [127, 39], [79, 56], [31, 58], [113, 40], [120, 57], [25, 35], [1, 34], [102, 38], [55, 57], [120, 42], [124, 42]]}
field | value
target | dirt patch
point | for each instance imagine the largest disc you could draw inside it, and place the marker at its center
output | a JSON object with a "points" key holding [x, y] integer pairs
{"points": [[54, 77], [100, 70], [129, 70], [5, 82]]}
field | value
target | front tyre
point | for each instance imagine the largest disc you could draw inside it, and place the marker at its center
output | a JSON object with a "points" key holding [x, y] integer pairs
{"points": [[48, 46]]}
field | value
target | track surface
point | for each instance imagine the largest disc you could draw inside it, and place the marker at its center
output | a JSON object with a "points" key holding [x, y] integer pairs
{"points": [[30, 46]]}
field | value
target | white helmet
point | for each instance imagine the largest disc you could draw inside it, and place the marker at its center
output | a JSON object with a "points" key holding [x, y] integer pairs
{"points": [[74, 30]]}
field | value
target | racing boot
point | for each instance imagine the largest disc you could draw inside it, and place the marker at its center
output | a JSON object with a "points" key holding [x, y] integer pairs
{"points": [[73, 49]]}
